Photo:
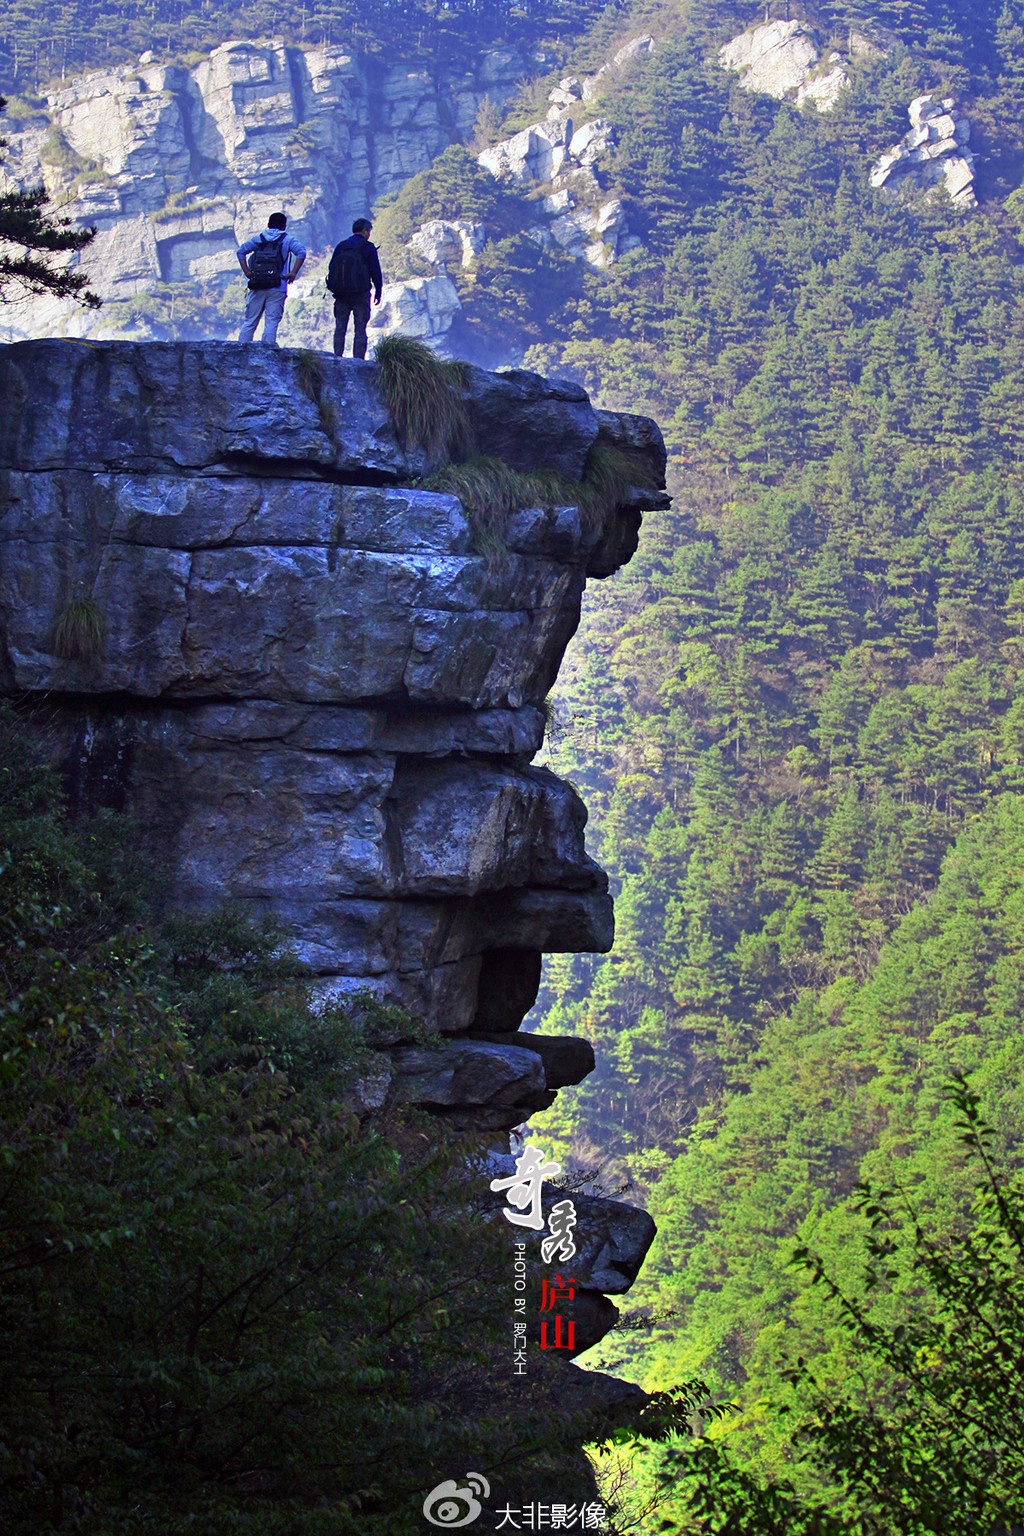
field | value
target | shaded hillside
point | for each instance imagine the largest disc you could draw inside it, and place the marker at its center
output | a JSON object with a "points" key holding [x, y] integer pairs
{"points": [[37, 47]]}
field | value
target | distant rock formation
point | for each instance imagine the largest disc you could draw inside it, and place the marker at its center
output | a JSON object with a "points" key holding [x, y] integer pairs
{"points": [[574, 215], [781, 58], [932, 156], [177, 166], [564, 155], [425, 307]]}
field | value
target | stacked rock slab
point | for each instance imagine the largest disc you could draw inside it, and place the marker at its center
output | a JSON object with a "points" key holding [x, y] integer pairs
{"points": [[315, 697], [933, 155]]}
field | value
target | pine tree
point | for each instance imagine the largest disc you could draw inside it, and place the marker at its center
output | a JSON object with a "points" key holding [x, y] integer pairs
{"points": [[29, 235]]}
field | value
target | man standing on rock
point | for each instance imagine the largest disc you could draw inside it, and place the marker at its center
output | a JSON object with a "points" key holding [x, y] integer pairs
{"points": [[270, 261], [354, 269]]}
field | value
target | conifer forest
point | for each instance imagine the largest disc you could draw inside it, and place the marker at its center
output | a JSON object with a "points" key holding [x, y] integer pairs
{"points": [[797, 720]]}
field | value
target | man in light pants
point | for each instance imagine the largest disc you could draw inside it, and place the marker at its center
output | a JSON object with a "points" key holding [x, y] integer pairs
{"points": [[280, 249]]}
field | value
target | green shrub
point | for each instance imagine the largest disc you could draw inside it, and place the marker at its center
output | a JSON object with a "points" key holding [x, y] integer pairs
{"points": [[454, 187], [923, 1433], [489, 490]]}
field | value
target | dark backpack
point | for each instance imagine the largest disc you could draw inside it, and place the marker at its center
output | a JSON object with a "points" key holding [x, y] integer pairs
{"points": [[266, 264], [348, 275]]}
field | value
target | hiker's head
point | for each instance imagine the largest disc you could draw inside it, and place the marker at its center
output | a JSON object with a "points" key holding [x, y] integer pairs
{"points": [[362, 227], [277, 221]]}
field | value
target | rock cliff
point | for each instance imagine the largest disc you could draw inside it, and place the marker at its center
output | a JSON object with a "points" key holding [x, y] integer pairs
{"points": [[176, 166], [319, 701], [316, 697]]}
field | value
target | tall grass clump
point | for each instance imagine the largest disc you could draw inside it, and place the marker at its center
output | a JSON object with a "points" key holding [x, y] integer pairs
{"points": [[78, 632], [424, 395], [310, 377], [608, 475], [491, 490]]}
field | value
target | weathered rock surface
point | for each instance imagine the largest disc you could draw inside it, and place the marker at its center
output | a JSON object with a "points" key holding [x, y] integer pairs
{"points": [[424, 307], [932, 156], [576, 215], [118, 406], [177, 166], [486, 1086], [317, 698], [567, 1060], [781, 58]]}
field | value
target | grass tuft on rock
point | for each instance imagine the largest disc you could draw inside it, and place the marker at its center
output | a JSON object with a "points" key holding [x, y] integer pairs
{"points": [[608, 475], [491, 490], [424, 394], [78, 632], [311, 378]]}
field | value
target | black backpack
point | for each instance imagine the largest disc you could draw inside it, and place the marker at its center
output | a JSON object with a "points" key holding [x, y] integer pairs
{"points": [[348, 275], [266, 264]]}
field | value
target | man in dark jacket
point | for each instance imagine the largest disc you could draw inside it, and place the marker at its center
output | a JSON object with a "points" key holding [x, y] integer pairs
{"points": [[354, 270]]}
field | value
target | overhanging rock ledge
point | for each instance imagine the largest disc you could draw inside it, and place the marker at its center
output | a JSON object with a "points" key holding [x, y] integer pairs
{"points": [[314, 695]]}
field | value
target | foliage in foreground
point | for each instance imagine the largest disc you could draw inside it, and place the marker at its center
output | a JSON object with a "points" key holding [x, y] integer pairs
{"points": [[926, 1433], [29, 235], [224, 1297]]}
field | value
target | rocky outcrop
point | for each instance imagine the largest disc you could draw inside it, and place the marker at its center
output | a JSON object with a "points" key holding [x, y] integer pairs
{"points": [[176, 166], [317, 698], [932, 157], [559, 153], [782, 58], [563, 153], [426, 306]]}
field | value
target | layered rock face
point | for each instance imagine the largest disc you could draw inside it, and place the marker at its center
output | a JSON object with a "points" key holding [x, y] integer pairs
{"points": [[313, 694], [177, 166]]}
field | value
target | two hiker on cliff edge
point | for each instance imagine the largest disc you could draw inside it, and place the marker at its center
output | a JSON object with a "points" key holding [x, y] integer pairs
{"points": [[354, 270], [274, 258]]}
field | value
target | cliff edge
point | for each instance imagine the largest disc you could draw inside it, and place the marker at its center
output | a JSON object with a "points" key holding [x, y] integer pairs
{"points": [[313, 693]]}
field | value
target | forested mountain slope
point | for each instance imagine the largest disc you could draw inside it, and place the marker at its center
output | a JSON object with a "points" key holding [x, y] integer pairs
{"points": [[37, 46], [797, 717]]}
